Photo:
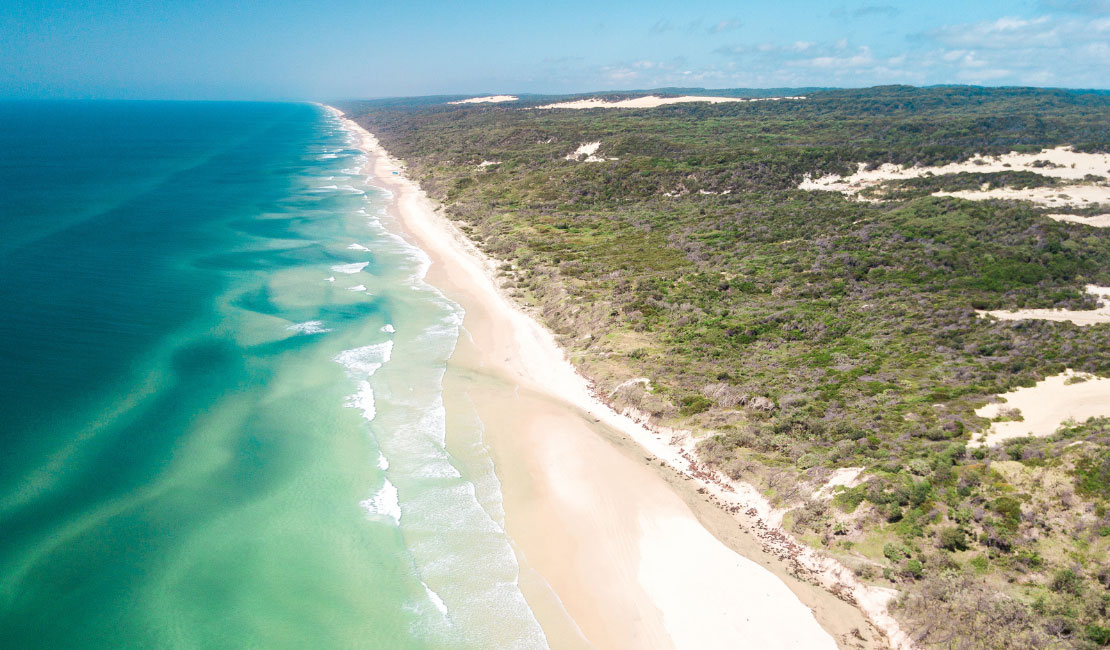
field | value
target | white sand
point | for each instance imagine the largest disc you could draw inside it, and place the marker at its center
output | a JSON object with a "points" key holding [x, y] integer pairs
{"points": [[651, 101], [848, 477], [1096, 221], [1077, 316], [539, 362], [1062, 163], [1064, 196], [490, 99], [587, 149], [694, 601], [1046, 406]]}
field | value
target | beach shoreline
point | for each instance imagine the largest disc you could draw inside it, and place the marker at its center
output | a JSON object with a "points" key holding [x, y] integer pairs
{"points": [[607, 558]]}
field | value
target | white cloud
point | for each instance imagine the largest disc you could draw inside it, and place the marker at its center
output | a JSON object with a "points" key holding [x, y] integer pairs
{"points": [[726, 26]]}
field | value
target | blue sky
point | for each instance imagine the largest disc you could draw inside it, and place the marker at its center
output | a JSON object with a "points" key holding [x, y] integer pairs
{"points": [[284, 49]]}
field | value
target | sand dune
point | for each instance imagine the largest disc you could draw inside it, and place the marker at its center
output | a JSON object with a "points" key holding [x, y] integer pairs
{"points": [[490, 99], [1064, 196], [1096, 221], [1077, 316], [1046, 406], [1061, 163], [651, 101]]}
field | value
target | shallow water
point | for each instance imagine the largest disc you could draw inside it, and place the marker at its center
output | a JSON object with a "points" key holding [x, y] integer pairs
{"points": [[222, 412]]}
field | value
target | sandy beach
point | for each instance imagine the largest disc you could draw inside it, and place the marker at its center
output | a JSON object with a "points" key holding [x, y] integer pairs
{"points": [[617, 547]]}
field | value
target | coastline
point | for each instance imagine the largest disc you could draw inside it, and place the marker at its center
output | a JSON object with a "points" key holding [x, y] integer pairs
{"points": [[601, 513]]}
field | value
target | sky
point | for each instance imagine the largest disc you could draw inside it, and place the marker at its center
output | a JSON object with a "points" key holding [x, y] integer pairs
{"points": [[289, 49]]}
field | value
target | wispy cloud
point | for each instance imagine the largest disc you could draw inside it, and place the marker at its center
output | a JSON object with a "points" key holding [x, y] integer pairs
{"points": [[876, 10], [864, 11], [723, 26], [1100, 7]]}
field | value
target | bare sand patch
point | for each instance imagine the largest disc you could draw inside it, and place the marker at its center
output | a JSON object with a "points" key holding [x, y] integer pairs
{"points": [[847, 477], [1061, 162], [1046, 406], [586, 153], [1077, 316], [652, 101], [1096, 221], [489, 99], [1063, 196]]}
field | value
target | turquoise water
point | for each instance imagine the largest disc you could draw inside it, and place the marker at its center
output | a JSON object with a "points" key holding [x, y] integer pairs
{"points": [[221, 412]]}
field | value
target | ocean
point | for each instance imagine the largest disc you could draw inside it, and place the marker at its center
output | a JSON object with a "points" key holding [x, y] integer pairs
{"points": [[221, 413]]}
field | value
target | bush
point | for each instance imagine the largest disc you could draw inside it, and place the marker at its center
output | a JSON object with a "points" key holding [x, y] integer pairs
{"points": [[1098, 634], [1066, 581], [1010, 510], [894, 552], [952, 538], [695, 404]]}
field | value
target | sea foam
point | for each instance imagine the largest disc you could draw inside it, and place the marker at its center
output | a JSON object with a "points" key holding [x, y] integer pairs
{"points": [[309, 327], [384, 503], [353, 267]]}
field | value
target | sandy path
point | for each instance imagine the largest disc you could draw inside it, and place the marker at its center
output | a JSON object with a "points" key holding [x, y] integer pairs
{"points": [[600, 531]]}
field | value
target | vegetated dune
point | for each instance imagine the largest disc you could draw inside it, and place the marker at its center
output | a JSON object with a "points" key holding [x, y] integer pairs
{"points": [[1097, 221], [1046, 406], [651, 101], [1060, 163], [490, 99], [1077, 316]]}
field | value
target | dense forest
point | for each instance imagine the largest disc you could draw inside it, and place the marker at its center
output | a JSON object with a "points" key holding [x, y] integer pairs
{"points": [[797, 332]]}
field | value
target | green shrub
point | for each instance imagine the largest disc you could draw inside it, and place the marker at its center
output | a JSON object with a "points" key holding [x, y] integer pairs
{"points": [[1066, 581], [694, 404], [894, 552], [952, 538], [1098, 634]]}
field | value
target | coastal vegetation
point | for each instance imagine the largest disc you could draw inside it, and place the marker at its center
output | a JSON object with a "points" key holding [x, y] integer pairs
{"points": [[800, 332]]}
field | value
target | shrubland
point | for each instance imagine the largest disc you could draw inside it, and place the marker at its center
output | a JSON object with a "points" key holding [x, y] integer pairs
{"points": [[798, 332]]}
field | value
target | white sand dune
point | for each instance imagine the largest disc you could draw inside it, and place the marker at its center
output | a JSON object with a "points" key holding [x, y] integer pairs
{"points": [[587, 149], [1096, 221], [1063, 196], [1062, 163], [1077, 316], [489, 99], [651, 101], [1046, 406]]}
